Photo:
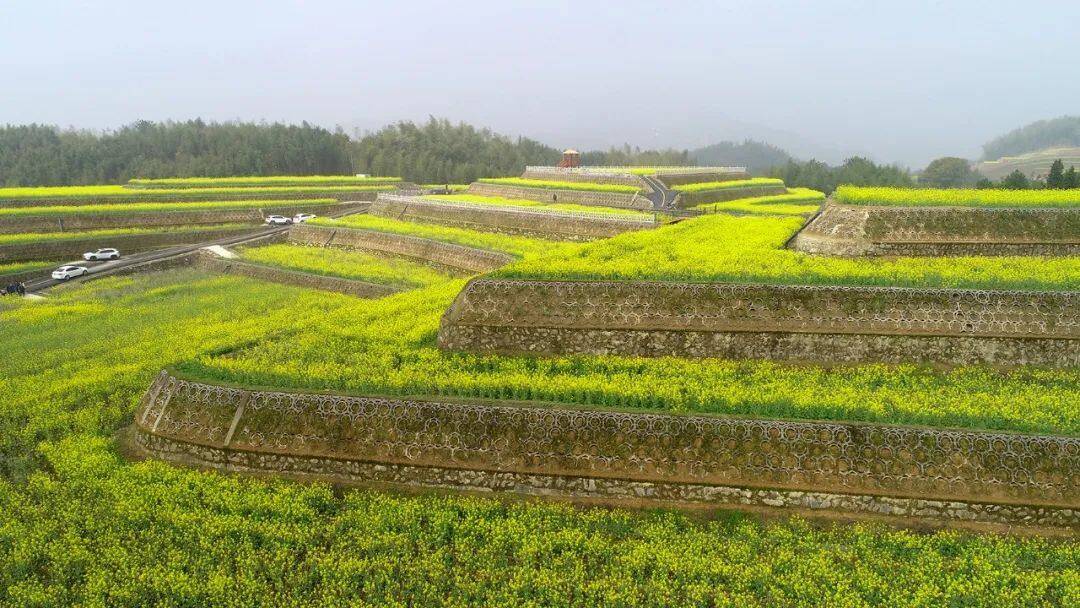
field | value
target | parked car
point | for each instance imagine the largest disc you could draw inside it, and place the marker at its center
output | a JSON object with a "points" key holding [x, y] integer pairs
{"points": [[300, 218], [278, 220], [64, 273], [107, 253]]}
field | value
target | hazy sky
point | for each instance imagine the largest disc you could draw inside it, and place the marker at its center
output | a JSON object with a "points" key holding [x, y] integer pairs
{"points": [[900, 81]]}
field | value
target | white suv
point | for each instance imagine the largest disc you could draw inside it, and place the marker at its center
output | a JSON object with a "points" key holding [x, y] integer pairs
{"points": [[102, 254], [278, 219], [64, 273], [300, 218]]}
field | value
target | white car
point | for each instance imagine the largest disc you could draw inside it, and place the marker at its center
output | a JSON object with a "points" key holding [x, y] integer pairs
{"points": [[278, 220], [102, 254], [300, 218], [64, 273]]}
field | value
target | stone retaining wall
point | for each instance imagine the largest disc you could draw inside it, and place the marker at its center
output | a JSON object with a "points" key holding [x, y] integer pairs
{"points": [[552, 174], [853, 230], [444, 255], [577, 197], [100, 221], [351, 287], [692, 199], [935, 473], [510, 220], [155, 197], [782, 322], [126, 243]]}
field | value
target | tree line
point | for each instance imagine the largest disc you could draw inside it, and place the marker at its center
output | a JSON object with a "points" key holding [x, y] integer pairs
{"points": [[1039, 135], [433, 152]]}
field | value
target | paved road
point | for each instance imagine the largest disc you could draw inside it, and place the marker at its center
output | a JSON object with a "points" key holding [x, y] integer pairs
{"points": [[662, 197], [99, 269]]}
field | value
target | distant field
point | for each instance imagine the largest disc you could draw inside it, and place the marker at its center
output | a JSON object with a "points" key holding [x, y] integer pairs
{"points": [[515, 245], [731, 184], [928, 197], [520, 202], [345, 264], [731, 248], [120, 192], [111, 209], [797, 201], [273, 180], [556, 185], [31, 237]]}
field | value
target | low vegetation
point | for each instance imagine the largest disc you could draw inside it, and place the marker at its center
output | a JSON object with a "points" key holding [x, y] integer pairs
{"points": [[354, 265], [798, 201], [270, 180], [754, 182], [534, 205], [119, 209], [723, 247], [32, 237], [927, 197], [515, 245], [150, 195], [556, 185], [13, 268]]}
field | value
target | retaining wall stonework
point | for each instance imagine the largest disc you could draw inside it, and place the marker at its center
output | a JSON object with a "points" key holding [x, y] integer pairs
{"points": [[930, 473], [157, 197], [443, 255], [553, 174], [126, 243], [518, 221], [100, 221], [692, 199], [853, 230], [781, 322], [577, 197], [361, 289]]}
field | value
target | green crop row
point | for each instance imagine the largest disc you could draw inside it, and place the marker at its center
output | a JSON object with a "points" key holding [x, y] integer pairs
{"points": [[927, 197], [112, 209], [798, 201], [754, 182], [20, 267], [722, 247], [515, 245], [344, 264], [271, 180], [556, 185], [31, 237], [120, 192], [520, 202]]}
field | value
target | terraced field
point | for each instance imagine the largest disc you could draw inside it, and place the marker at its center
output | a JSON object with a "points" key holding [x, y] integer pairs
{"points": [[271, 180], [927, 197], [558, 185], [151, 533], [502, 201]]}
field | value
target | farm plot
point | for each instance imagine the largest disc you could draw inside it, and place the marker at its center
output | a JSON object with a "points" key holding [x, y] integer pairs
{"points": [[927, 197], [353, 265], [557, 185], [85, 195], [750, 249], [502, 201], [798, 201], [270, 180]]}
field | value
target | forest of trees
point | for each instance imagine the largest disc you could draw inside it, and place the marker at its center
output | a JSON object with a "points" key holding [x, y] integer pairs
{"points": [[434, 152], [756, 156], [855, 170], [1039, 135], [40, 155]]}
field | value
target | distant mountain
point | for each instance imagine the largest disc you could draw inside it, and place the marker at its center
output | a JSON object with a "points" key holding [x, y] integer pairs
{"points": [[1063, 132], [756, 156]]}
